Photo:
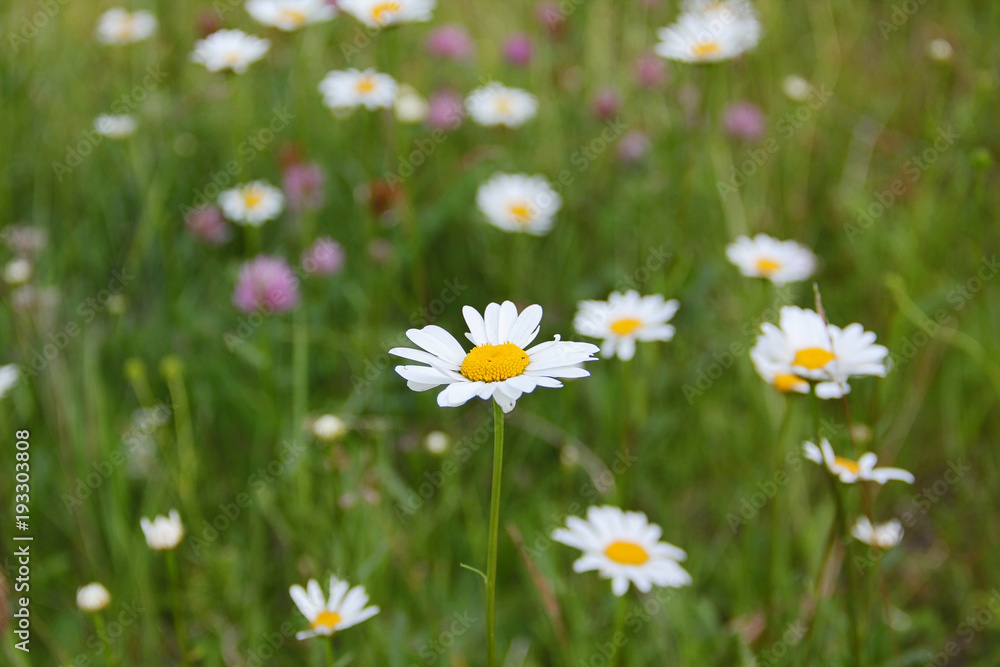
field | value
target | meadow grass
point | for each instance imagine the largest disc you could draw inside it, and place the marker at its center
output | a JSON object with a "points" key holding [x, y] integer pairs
{"points": [[718, 461]]}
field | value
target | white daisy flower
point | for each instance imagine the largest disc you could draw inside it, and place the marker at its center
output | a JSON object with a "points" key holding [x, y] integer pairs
{"points": [[710, 32], [92, 597], [115, 126], [764, 256], [624, 319], [345, 608], [252, 203], [519, 203], [882, 536], [849, 471], [805, 347], [623, 547], [229, 49], [499, 366], [350, 88], [119, 26], [495, 104], [8, 378], [410, 106], [383, 13], [163, 533], [290, 14]]}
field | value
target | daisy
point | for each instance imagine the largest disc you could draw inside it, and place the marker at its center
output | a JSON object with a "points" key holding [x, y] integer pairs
{"points": [[710, 32], [290, 14], [803, 347], [350, 88], [383, 13], [495, 104], [252, 203], [115, 126], [163, 533], [329, 427], [92, 597], [345, 608], [623, 547], [410, 106], [499, 366], [118, 26], [229, 49], [18, 271], [763, 256], [849, 471], [519, 203], [625, 318], [882, 536], [8, 378]]}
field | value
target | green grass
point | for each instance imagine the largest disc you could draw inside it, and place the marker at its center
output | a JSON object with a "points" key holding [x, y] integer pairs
{"points": [[230, 411]]}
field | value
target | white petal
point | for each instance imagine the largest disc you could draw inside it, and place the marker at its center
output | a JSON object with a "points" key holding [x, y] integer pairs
{"points": [[458, 393], [477, 327]]}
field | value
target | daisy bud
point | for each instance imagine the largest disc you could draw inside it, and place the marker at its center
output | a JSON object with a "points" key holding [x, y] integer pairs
{"points": [[329, 427], [437, 442], [410, 107], [92, 597], [940, 50], [18, 271], [163, 533], [796, 88]]}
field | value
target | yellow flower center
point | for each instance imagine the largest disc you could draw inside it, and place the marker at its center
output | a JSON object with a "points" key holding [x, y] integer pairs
{"points": [[766, 267], [521, 212], [252, 197], [705, 50], [326, 619], [365, 85], [503, 104], [787, 382], [850, 465], [626, 553], [813, 358], [625, 326], [494, 363], [384, 11], [294, 16]]}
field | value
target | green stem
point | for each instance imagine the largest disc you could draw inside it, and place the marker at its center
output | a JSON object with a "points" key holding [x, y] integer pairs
{"points": [[102, 634], [773, 565], [300, 392], [491, 562], [175, 590], [328, 652], [619, 647], [852, 592]]}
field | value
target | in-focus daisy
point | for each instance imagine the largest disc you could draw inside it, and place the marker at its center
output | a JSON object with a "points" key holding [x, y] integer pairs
{"points": [[623, 547], [8, 378], [229, 49], [163, 533], [764, 256], [350, 88], [519, 203], [500, 366], [383, 13], [92, 597], [495, 104], [290, 14], [119, 26], [803, 347], [624, 319], [882, 536], [252, 203], [115, 126], [849, 471], [344, 609], [710, 32]]}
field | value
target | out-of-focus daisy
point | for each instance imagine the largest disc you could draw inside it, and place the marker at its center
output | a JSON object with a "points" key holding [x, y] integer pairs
{"points": [[495, 104], [268, 284], [763, 256], [329, 427], [624, 319], [119, 26], [849, 471], [8, 378], [18, 271], [252, 203], [92, 597], [163, 533], [345, 608], [290, 14], [500, 366], [805, 347], [710, 32], [623, 547], [350, 88], [410, 106], [383, 13], [882, 536], [940, 50], [115, 126], [796, 88], [519, 203], [229, 49], [437, 442]]}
